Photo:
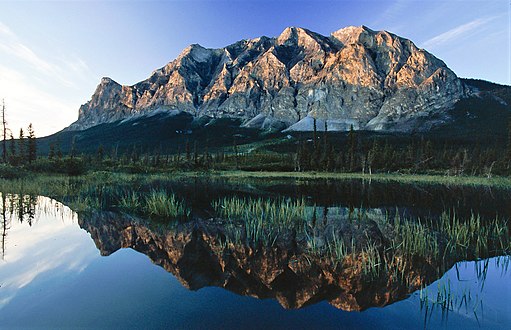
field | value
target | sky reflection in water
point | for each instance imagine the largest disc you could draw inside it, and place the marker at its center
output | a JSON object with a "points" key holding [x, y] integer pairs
{"points": [[52, 275]]}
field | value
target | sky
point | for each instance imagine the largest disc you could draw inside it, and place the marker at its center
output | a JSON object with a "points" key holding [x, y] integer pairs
{"points": [[54, 53]]}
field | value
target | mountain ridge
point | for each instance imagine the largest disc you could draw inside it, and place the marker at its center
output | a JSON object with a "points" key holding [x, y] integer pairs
{"points": [[372, 80]]}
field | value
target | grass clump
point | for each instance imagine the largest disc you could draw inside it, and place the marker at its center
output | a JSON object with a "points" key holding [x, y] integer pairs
{"points": [[131, 200], [263, 219], [159, 203]]}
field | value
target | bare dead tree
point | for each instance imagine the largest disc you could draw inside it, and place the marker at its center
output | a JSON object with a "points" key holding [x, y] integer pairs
{"points": [[4, 127]]}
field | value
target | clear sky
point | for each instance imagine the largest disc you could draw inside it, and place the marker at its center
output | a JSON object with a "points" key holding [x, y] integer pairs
{"points": [[53, 53]]}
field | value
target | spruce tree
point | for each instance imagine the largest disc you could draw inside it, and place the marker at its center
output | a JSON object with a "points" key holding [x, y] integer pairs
{"points": [[352, 146], [58, 150], [187, 150], [51, 152], [21, 147], [195, 155], [315, 131], [12, 151], [31, 144], [100, 153]]}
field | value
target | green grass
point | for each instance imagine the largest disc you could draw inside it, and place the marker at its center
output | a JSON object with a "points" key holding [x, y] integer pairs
{"points": [[131, 200], [497, 182], [160, 203], [263, 219], [437, 241]]}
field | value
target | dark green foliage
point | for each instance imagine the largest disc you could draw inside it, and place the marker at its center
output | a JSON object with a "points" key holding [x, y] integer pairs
{"points": [[509, 141], [21, 147], [51, 153], [12, 151], [11, 172], [31, 145], [100, 153]]}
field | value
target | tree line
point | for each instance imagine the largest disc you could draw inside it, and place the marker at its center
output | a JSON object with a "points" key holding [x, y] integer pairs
{"points": [[416, 155], [318, 150], [21, 151]]}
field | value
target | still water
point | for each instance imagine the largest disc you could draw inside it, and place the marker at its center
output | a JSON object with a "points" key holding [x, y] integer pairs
{"points": [[108, 269]]}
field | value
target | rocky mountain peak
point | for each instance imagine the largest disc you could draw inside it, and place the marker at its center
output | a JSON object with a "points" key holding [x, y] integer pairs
{"points": [[197, 53], [372, 80]]}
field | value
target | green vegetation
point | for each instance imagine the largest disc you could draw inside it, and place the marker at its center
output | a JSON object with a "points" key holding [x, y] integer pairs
{"points": [[161, 204], [436, 241], [102, 190], [263, 219]]}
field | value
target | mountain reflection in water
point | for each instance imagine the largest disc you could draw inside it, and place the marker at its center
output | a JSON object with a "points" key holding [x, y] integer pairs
{"points": [[199, 255], [45, 244]]}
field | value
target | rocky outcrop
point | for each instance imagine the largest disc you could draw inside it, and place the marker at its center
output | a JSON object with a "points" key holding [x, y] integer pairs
{"points": [[356, 77]]}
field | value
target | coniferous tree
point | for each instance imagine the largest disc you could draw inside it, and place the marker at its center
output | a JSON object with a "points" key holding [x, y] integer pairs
{"points": [[206, 158], [72, 152], [323, 144], [387, 156], [31, 144], [195, 155], [236, 153], [352, 146], [315, 132], [21, 147], [51, 152], [58, 150], [187, 150], [12, 151], [509, 143], [372, 157], [100, 153]]}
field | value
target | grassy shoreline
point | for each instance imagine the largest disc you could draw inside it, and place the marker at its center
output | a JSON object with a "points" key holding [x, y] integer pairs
{"points": [[423, 179], [501, 182]]}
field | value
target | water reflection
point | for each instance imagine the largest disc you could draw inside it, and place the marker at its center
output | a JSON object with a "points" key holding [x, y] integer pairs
{"points": [[51, 258], [201, 254], [40, 239], [475, 290], [418, 200]]}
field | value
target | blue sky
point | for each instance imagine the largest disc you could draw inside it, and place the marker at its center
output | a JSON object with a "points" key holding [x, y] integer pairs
{"points": [[53, 53]]}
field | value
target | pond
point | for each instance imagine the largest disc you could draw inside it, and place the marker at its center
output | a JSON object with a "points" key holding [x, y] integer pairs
{"points": [[119, 268]]}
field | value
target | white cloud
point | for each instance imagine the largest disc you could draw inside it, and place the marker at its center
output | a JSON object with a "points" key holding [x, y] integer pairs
{"points": [[26, 102], [4, 30], [12, 46], [45, 89], [455, 33]]}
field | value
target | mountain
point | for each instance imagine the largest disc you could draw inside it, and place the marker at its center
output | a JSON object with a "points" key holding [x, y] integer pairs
{"points": [[371, 80]]}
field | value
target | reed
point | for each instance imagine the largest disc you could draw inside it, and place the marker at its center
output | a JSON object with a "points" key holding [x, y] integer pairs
{"points": [[130, 200], [159, 203], [263, 219]]}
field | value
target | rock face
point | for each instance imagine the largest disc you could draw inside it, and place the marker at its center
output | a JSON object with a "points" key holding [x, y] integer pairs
{"points": [[356, 76]]}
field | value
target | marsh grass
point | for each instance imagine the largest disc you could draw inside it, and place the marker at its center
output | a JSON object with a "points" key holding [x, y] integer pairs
{"points": [[436, 241], [263, 219], [100, 191], [160, 203], [130, 200]]}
